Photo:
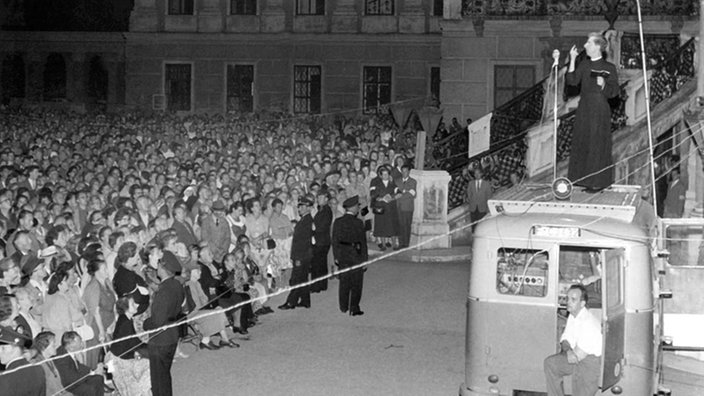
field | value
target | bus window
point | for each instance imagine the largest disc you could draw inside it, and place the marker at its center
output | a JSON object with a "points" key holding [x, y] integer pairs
{"points": [[522, 272], [685, 243], [580, 265]]}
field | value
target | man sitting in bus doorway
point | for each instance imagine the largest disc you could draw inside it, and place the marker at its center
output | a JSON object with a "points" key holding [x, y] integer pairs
{"points": [[580, 349]]}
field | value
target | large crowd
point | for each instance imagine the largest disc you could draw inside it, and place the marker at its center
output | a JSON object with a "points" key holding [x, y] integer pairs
{"points": [[99, 214]]}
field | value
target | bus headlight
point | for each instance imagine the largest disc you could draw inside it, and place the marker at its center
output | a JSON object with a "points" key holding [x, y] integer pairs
{"points": [[493, 378], [616, 390]]}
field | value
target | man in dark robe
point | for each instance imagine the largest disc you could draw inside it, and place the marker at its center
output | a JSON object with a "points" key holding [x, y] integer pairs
{"points": [[591, 164]]}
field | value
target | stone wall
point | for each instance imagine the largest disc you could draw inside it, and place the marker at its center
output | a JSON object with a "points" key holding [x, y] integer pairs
{"points": [[472, 47], [76, 49], [341, 57]]}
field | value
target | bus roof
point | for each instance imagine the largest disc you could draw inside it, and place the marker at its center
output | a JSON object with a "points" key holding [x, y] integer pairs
{"points": [[618, 202]]}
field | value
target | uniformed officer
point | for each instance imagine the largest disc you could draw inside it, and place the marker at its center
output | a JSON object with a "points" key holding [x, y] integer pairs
{"points": [[28, 381], [301, 255], [349, 246]]}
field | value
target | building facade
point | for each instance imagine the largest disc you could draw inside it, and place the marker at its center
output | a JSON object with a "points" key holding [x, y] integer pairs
{"points": [[299, 56]]}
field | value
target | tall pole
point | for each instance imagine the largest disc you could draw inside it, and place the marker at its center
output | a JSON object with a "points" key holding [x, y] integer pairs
{"points": [[646, 88], [700, 66]]}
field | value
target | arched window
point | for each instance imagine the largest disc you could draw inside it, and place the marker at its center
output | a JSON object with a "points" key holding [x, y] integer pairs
{"points": [[55, 77], [13, 78]]}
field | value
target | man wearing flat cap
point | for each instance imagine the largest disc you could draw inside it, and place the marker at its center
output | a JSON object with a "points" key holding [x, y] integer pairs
{"points": [[29, 381], [349, 245], [301, 255], [166, 310], [216, 231]]}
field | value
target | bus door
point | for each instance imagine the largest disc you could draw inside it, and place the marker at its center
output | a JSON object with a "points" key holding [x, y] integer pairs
{"points": [[613, 317]]}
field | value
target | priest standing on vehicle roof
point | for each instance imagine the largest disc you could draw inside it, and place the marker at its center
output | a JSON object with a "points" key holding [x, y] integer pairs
{"points": [[591, 164]]}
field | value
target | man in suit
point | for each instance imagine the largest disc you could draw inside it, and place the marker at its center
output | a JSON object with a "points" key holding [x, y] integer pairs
{"points": [[26, 381], [405, 199], [166, 309], [349, 246], [182, 226], [76, 377], [215, 230], [322, 221], [676, 194], [478, 194], [301, 255]]}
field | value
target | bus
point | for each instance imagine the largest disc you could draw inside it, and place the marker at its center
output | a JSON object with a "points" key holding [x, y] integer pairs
{"points": [[526, 255]]}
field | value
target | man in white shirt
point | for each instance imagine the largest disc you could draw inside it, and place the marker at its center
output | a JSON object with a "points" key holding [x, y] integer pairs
{"points": [[580, 354]]}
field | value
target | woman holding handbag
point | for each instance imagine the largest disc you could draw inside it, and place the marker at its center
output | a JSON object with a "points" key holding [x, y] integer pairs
{"points": [[382, 191]]}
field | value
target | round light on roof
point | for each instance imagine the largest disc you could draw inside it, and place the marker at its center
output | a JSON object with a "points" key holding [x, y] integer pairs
{"points": [[562, 188]]}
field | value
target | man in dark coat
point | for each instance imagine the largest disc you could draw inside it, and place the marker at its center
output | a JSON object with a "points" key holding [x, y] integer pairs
{"points": [[182, 225], [349, 245], [301, 255], [27, 381], [166, 310], [478, 194], [76, 377], [322, 221], [591, 162]]}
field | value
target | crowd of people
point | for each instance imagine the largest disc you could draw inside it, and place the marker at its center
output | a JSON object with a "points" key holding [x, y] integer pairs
{"points": [[116, 224]]}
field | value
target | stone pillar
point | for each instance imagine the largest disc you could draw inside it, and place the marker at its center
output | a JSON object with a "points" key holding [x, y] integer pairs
{"points": [[430, 209], [209, 16], [273, 17], [412, 17], [111, 65], [452, 9], [421, 137], [34, 76], [77, 78], [344, 17], [145, 16]]}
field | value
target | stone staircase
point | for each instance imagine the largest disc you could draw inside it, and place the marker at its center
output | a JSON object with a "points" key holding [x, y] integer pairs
{"points": [[521, 136]]}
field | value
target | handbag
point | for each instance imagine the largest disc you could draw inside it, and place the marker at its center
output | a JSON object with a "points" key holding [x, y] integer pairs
{"points": [[86, 332], [378, 209]]}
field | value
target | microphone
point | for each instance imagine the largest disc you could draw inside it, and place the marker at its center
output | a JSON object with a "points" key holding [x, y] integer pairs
{"points": [[556, 56]]}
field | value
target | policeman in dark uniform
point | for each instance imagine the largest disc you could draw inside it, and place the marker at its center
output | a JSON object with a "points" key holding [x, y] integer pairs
{"points": [[166, 309], [349, 246], [301, 255], [29, 381]]}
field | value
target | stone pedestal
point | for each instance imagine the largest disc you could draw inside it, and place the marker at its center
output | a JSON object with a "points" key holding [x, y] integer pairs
{"points": [[210, 16], [412, 17], [430, 210], [344, 17], [273, 17]]}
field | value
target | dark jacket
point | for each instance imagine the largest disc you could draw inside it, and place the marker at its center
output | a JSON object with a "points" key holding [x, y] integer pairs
{"points": [[349, 242], [29, 381], [166, 309], [301, 244], [75, 376], [323, 222]]}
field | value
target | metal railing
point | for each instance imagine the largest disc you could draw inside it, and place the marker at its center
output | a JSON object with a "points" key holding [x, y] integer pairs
{"points": [[537, 8], [508, 146]]}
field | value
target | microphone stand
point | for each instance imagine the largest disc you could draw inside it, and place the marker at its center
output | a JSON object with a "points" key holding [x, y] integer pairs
{"points": [[555, 66]]}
